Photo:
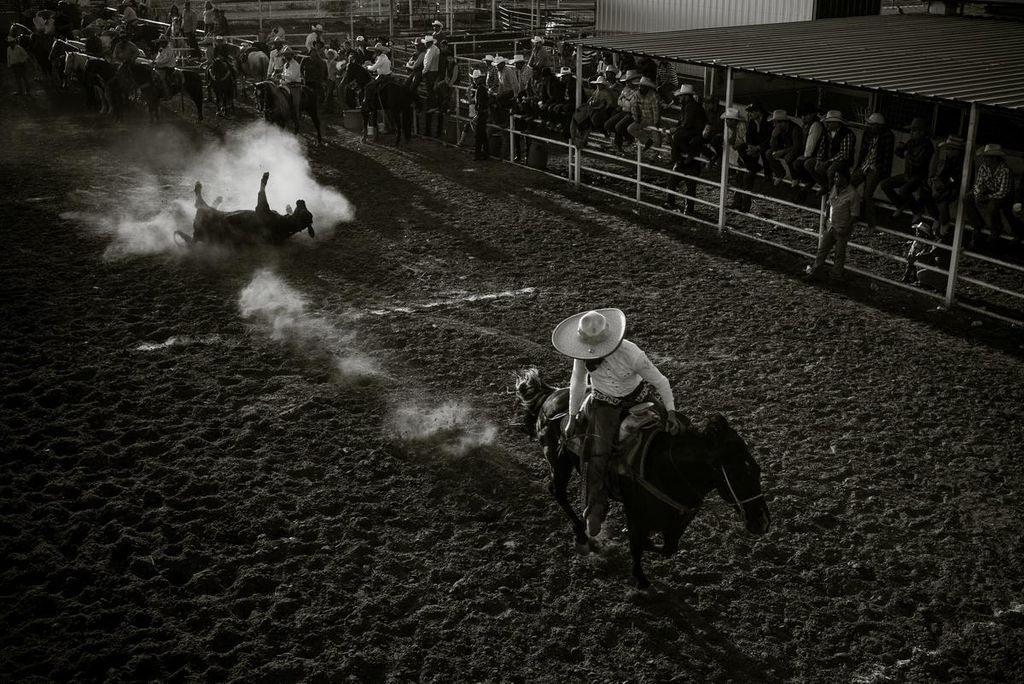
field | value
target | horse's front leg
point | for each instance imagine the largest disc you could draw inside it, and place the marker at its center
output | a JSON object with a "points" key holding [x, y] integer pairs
{"points": [[561, 470]]}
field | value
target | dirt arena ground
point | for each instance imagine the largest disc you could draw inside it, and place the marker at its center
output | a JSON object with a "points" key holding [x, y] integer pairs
{"points": [[297, 465]]}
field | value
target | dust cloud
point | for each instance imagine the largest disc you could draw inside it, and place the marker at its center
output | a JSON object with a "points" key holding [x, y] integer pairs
{"points": [[452, 427], [145, 210], [283, 312]]}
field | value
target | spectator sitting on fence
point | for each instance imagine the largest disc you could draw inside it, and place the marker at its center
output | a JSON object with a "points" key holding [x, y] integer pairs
{"points": [[876, 149], [604, 63], [522, 71], [984, 204], [917, 158], [753, 153], [835, 151], [561, 108], [687, 135], [943, 186], [540, 55], [787, 142], [315, 35], [920, 252], [646, 110], [611, 75], [814, 135], [601, 104], [843, 209], [620, 120]]}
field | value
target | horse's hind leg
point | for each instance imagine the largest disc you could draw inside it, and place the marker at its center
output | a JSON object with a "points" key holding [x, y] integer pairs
{"points": [[638, 540]]}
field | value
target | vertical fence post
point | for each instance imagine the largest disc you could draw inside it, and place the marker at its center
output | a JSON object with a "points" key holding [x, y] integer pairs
{"points": [[410, 15], [494, 15], [579, 102], [958, 232], [724, 179], [511, 136], [639, 160]]}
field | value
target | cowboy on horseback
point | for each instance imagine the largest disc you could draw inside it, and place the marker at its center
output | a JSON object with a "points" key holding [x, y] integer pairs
{"points": [[381, 68], [621, 377], [290, 79]]}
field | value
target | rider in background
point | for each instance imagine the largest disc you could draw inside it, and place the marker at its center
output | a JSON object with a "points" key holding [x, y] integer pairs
{"points": [[164, 64], [381, 68], [621, 376], [291, 78]]}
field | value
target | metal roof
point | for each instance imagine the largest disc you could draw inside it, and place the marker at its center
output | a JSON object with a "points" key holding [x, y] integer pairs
{"points": [[962, 59]]}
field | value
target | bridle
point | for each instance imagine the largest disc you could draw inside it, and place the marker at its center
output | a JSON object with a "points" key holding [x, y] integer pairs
{"points": [[736, 501]]}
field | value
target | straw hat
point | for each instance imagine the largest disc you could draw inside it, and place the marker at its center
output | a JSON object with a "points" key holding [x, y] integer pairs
{"points": [[499, 60], [953, 141], [360, 39], [318, 28], [436, 22], [564, 71], [684, 89], [591, 334], [600, 80], [536, 39], [610, 69], [631, 75], [834, 116], [731, 114], [648, 82], [286, 51], [488, 58], [877, 118], [477, 74], [992, 150], [779, 115], [429, 39], [516, 59]]}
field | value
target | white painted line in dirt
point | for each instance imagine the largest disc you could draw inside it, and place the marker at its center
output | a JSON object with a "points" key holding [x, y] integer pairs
{"points": [[180, 341], [29, 200], [453, 301]]}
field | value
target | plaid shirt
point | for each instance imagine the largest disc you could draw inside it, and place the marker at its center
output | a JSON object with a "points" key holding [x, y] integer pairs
{"points": [[627, 97], [838, 146], [992, 182], [876, 151], [646, 109], [666, 74], [917, 155]]}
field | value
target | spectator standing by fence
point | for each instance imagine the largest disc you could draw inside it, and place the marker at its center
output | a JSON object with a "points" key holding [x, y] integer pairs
{"points": [[843, 209], [876, 150], [17, 61], [480, 104], [431, 66]]}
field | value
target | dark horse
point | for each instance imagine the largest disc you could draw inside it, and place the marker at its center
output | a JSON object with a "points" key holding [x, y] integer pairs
{"points": [[221, 75], [678, 472], [179, 82], [99, 79], [246, 227], [395, 99], [278, 108]]}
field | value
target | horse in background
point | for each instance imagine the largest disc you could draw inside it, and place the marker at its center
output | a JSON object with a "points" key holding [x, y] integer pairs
{"points": [[99, 79], [278, 106], [36, 45], [221, 76], [143, 76], [58, 61], [674, 476], [395, 99]]}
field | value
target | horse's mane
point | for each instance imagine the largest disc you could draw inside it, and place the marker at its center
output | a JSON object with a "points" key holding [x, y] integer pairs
{"points": [[531, 391]]}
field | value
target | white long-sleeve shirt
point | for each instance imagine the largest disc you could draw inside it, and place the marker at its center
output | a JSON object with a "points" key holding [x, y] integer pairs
{"points": [[620, 373], [431, 59], [274, 64], [381, 67]]}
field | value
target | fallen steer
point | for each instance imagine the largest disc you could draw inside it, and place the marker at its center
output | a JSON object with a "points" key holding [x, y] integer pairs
{"points": [[247, 227]]}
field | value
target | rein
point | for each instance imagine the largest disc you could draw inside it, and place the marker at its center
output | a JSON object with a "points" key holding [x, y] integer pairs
{"points": [[736, 499]]}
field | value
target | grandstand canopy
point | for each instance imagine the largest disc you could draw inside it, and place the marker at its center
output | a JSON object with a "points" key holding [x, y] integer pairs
{"points": [[961, 59]]}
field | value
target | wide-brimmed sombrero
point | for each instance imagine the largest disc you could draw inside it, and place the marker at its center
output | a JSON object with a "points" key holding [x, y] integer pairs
{"points": [[590, 334]]}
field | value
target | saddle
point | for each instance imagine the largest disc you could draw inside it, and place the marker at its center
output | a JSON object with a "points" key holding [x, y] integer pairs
{"points": [[636, 432]]}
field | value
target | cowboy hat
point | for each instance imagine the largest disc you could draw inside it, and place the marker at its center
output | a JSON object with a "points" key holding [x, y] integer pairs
{"points": [[516, 59], [590, 334], [361, 38], [429, 39], [731, 113], [631, 75], [918, 123], [833, 116], [536, 39], [564, 71], [218, 39], [488, 58], [648, 82], [499, 60], [684, 89], [779, 115], [477, 74], [953, 141], [436, 22], [286, 50], [992, 150], [610, 69], [318, 28], [876, 118], [600, 80], [378, 46]]}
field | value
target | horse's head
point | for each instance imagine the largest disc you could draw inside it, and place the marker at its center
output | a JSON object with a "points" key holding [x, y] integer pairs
{"points": [[737, 475], [303, 220], [532, 395]]}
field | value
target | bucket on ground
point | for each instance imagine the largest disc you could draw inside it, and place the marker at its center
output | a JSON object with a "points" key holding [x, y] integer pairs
{"points": [[537, 157], [352, 120]]}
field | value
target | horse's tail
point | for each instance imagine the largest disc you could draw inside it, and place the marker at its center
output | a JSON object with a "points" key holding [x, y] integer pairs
{"points": [[531, 392]]}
